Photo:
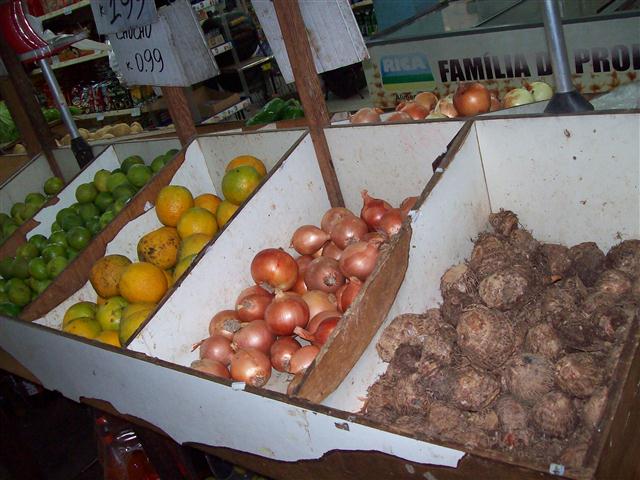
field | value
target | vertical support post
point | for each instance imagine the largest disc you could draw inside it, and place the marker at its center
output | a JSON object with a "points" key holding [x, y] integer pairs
{"points": [[180, 113], [296, 41]]}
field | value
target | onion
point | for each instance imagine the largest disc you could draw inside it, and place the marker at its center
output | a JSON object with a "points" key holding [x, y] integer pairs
{"points": [[427, 99], [304, 357], [253, 335], [347, 231], [472, 99], [286, 312], [435, 114], [347, 292], [495, 103], [400, 106], [281, 352], [303, 262], [320, 318], [319, 301], [300, 287], [324, 331], [445, 107], [541, 91], [211, 367], [217, 348], [359, 259], [415, 110], [517, 96], [333, 216], [330, 250], [391, 222], [274, 268], [377, 236], [372, 209], [324, 274], [399, 117], [308, 239], [253, 290], [408, 204], [252, 307], [251, 366], [225, 323], [365, 115]]}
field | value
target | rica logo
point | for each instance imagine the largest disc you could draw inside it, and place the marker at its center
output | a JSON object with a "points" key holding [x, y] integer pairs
{"points": [[409, 68]]}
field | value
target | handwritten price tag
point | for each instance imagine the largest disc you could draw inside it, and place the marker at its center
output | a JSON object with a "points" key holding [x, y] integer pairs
{"points": [[113, 16]]}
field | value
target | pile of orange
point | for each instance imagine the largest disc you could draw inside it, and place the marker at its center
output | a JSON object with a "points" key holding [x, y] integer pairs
{"points": [[243, 175]]}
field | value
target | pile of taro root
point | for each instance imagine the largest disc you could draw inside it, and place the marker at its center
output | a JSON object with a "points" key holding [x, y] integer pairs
{"points": [[521, 353]]}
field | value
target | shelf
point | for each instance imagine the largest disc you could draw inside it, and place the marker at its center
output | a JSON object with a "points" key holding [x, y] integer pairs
{"points": [[363, 3], [134, 112], [64, 11], [218, 117], [205, 5], [247, 64], [225, 47], [75, 61]]}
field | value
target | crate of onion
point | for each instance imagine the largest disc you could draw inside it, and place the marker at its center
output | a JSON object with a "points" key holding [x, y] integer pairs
{"points": [[514, 336]]}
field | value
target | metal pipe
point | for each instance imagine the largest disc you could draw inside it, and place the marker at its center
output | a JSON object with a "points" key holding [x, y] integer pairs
{"points": [[557, 47], [58, 97]]}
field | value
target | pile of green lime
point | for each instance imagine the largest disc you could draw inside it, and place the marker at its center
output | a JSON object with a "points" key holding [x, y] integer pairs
{"points": [[38, 261]]}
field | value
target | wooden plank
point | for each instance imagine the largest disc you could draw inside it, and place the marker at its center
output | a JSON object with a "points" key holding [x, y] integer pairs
{"points": [[308, 87], [180, 113]]}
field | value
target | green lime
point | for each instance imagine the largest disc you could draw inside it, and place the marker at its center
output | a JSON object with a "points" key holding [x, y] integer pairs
{"points": [[75, 208], [55, 227], [4, 297], [56, 266], [3, 218], [36, 198], [124, 192], [3, 286], [53, 251], [65, 212], [9, 309], [86, 193], [88, 210], [115, 180], [106, 218], [159, 162], [58, 238], [78, 237], [17, 212], [118, 205], [5, 267], [38, 268], [8, 228], [27, 250], [72, 253], [19, 293], [20, 268], [172, 152], [39, 286], [129, 162], [100, 179], [30, 210], [116, 170], [103, 201], [40, 241], [138, 175], [53, 185], [70, 221], [93, 224]]}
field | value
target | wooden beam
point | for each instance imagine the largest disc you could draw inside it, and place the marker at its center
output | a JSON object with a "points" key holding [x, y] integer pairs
{"points": [[180, 113], [296, 41]]}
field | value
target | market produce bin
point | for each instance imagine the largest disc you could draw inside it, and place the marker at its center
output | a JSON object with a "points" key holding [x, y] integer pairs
{"points": [[570, 179]]}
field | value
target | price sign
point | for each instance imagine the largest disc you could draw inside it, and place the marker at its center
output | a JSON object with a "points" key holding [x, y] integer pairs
{"points": [[113, 16]]}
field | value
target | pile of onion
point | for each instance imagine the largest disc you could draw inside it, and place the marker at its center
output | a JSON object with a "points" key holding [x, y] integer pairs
{"points": [[299, 300]]}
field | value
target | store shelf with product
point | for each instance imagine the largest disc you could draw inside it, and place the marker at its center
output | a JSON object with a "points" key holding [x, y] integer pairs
{"points": [[66, 10]]}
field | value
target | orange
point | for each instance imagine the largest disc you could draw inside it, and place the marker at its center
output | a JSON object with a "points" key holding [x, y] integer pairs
{"points": [[197, 220], [109, 337], [239, 183], [182, 266], [224, 212], [171, 203], [105, 274], [169, 276], [160, 247], [249, 161], [143, 282], [192, 244], [100, 300], [207, 201]]}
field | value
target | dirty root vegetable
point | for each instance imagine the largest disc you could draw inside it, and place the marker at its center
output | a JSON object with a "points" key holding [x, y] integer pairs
{"points": [[319, 301], [286, 312], [322, 333], [225, 323], [359, 260], [333, 216], [588, 262], [554, 415], [217, 348], [578, 374], [373, 209], [365, 115], [415, 110], [330, 250], [427, 99], [273, 268], [528, 377], [472, 99], [625, 257], [308, 239], [347, 293], [304, 357], [324, 274], [281, 352], [253, 335], [211, 367], [542, 339], [504, 289], [348, 230], [251, 366], [613, 282]]}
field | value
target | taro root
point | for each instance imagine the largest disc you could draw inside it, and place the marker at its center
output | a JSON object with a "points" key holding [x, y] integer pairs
{"points": [[528, 377], [596, 301], [470, 437], [439, 346], [503, 222], [407, 328], [588, 262], [378, 404], [485, 337], [542, 339], [520, 330], [523, 241], [574, 454], [409, 423], [531, 313], [505, 289], [578, 374], [557, 258], [610, 321], [514, 420], [557, 301], [626, 257], [577, 331], [614, 282], [635, 289], [407, 396], [405, 361], [486, 420], [444, 418], [490, 254], [554, 415], [594, 407], [465, 387], [454, 304], [458, 279]]}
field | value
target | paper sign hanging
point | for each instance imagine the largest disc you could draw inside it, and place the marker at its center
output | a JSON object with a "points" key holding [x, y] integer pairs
{"points": [[113, 16]]}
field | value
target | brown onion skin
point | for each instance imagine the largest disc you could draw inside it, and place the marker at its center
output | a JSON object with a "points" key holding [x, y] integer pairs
{"points": [[415, 110], [304, 357], [472, 99], [321, 317], [330, 250], [322, 334], [319, 301], [445, 107], [255, 335], [251, 366], [408, 204], [379, 237], [211, 367], [308, 239], [365, 115], [253, 290], [303, 261], [398, 117], [281, 352], [252, 307], [348, 230], [347, 293], [333, 216], [217, 348], [287, 311], [324, 274], [391, 222], [359, 259], [274, 268], [427, 99], [373, 209], [495, 103], [225, 323]]}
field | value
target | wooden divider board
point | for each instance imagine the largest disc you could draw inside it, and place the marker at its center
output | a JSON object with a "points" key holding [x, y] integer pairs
{"points": [[30, 177]]}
